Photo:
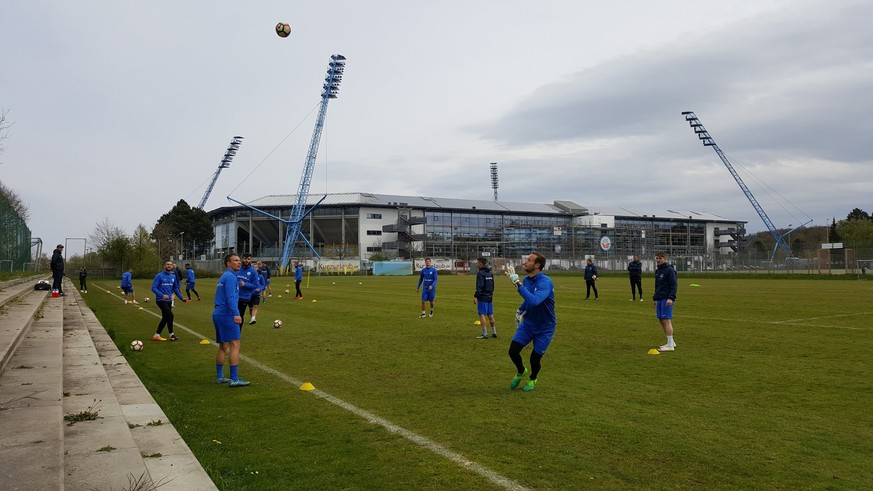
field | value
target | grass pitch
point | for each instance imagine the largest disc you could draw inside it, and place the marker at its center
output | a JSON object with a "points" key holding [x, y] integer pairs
{"points": [[770, 387]]}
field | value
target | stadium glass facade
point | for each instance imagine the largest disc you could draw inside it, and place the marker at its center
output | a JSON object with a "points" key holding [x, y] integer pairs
{"points": [[355, 226]]}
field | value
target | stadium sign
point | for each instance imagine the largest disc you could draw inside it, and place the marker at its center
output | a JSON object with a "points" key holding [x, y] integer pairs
{"points": [[605, 243]]}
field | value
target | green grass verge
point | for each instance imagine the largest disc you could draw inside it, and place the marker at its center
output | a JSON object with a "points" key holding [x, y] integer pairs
{"points": [[769, 387]]}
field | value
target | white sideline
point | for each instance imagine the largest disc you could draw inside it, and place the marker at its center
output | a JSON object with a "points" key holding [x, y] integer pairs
{"points": [[427, 443]]}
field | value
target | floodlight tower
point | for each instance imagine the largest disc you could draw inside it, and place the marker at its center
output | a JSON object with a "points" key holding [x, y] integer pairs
{"points": [[494, 179], [235, 142], [330, 90], [707, 140]]}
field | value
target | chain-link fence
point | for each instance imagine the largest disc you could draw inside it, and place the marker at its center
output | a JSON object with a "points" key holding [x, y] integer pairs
{"points": [[14, 238]]}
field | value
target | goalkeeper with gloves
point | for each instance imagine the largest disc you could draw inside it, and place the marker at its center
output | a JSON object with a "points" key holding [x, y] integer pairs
{"points": [[535, 317]]}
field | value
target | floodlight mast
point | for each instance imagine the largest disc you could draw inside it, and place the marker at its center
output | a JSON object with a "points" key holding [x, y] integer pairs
{"points": [[235, 142], [330, 90], [707, 140]]}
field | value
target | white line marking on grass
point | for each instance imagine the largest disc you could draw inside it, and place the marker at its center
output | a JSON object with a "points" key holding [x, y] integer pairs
{"points": [[427, 443]]}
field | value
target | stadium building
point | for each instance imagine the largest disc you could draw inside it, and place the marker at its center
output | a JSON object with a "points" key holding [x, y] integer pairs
{"points": [[358, 226]]}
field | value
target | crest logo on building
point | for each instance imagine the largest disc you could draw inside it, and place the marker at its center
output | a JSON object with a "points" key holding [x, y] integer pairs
{"points": [[605, 243]]}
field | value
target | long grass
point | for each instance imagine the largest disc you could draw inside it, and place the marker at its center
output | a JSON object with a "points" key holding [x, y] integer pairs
{"points": [[770, 387]]}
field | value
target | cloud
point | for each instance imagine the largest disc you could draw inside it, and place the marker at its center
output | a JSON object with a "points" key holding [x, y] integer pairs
{"points": [[791, 82]]}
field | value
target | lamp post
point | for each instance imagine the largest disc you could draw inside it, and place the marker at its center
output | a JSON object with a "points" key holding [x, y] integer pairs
{"points": [[181, 244]]}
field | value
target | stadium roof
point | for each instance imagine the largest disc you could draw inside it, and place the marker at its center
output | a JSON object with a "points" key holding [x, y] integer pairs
{"points": [[559, 207]]}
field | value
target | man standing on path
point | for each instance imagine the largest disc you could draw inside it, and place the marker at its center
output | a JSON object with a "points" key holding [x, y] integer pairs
{"points": [[227, 320], [635, 273], [666, 286], [536, 319], [57, 265], [83, 280], [164, 286], [483, 298], [428, 277]]}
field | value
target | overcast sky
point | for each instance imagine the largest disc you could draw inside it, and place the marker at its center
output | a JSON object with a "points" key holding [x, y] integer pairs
{"points": [[120, 109]]}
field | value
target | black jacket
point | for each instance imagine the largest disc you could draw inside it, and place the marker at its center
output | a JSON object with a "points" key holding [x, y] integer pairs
{"points": [[57, 261], [666, 283], [484, 285], [635, 269]]}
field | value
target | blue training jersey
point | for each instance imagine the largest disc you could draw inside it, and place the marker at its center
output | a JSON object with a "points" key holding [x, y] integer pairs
{"points": [[428, 276], [227, 295], [539, 302], [298, 273], [166, 284], [190, 275], [249, 276], [126, 280]]}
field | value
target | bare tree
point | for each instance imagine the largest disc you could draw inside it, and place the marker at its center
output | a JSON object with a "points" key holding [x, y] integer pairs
{"points": [[105, 233], [4, 128], [15, 202]]}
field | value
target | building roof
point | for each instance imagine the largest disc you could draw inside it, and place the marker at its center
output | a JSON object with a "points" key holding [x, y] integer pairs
{"points": [[559, 207]]}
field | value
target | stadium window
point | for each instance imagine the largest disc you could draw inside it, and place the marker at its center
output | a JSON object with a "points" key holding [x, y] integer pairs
{"points": [[374, 216], [374, 232]]}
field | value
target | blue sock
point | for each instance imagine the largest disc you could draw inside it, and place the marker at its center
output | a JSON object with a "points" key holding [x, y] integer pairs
{"points": [[219, 370], [233, 373]]}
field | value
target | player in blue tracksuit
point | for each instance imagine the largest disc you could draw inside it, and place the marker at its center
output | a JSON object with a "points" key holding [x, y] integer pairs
{"points": [[298, 277], [536, 319], [666, 285], [227, 320], [256, 297], [483, 298], [189, 282], [127, 286], [265, 270], [248, 283], [428, 277], [166, 284]]}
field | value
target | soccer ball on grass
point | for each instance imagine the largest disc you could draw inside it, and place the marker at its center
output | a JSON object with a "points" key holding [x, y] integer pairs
{"points": [[277, 323], [136, 345], [146, 300], [283, 29]]}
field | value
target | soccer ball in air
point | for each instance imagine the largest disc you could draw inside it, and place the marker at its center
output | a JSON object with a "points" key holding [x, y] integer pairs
{"points": [[146, 300], [136, 345], [277, 323], [283, 29]]}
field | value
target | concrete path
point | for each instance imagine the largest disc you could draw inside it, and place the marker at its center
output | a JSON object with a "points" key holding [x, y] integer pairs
{"points": [[63, 365]]}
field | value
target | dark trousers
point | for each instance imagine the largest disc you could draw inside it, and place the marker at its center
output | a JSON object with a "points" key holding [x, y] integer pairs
{"points": [[83, 283], [638, 284], [590, 285], [297, 284], [57, 277], [166, 317]]}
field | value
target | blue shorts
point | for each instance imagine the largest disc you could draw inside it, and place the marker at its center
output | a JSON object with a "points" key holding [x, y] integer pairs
{"points": [[485, 308], [189, 286], [541, 338], [127, 290], [428, 295], [268, 281], [226, 329], [662, 310]]}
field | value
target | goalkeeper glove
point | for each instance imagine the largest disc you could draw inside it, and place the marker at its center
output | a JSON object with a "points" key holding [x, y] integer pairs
{"points": [[519, 316], [514, 278]]}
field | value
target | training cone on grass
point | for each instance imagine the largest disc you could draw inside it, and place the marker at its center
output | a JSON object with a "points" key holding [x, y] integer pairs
{"points": [[654, 351], [307, 386], [314, 300], [204, 341], [477, 323]]}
